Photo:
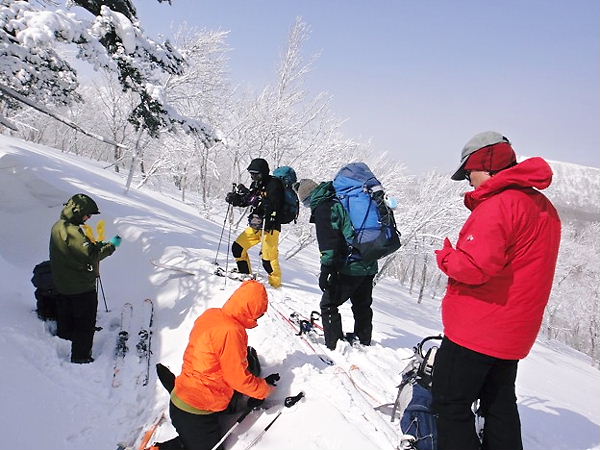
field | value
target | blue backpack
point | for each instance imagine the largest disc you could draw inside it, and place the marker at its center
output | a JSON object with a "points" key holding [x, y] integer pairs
{"points": [[362, 196], [291, 205]]}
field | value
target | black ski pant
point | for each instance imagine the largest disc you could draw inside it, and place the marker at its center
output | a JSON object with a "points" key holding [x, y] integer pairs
{"points": [[460, 377], [196, 431], [357, 288], [76, 321]]}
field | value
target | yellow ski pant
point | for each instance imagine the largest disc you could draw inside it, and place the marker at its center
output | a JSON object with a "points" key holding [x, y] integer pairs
{"points": [[269, 253]]}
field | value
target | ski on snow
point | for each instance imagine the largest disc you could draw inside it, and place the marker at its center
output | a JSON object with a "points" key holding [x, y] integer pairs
{"points": [[295, 321], [233, 274], [145, 438], [144, 345], [121, 347], [182, 270], [310, 332]]}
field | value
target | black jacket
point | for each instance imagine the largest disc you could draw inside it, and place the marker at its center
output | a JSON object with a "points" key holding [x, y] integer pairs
{"points": [[266, 198]]}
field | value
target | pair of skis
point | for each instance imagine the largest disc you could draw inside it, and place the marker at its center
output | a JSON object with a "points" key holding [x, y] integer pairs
{"points": [[143, 345], [306, 331]]}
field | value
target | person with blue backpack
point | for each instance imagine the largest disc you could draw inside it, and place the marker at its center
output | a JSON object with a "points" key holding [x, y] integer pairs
{"points": [[341, 277], [265, 197]]}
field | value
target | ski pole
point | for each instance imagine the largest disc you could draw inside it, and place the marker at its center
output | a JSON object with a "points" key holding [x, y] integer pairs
{"points": [[262, 241], [235, 425], [223, 229], [228, 248], [288, 403], [99, 283]]}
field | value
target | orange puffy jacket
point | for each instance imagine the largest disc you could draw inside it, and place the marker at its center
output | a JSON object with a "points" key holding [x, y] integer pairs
{"points": [[215, 360]]}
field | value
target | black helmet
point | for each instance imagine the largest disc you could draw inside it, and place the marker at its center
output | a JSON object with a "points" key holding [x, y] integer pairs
{"points": [[259, 165], [83, 204]]}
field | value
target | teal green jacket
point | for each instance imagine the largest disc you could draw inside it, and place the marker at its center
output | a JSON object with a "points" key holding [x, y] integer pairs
{"points": [[73, 257], [334, 231]]}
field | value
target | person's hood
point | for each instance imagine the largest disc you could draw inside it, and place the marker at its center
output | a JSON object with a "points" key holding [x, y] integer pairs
{"points": [[77, 207], [531, 173], [321, 193], [247, 304]]}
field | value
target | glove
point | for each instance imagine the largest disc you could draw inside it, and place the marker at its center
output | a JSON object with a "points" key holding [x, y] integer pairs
{"points": [[241, 189], [230, 197], [327, 278], [116, 240], [272, 379], [254, 402]]}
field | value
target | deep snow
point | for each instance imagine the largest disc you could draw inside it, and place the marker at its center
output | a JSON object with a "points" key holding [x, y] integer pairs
{"points": [[48, 403]]}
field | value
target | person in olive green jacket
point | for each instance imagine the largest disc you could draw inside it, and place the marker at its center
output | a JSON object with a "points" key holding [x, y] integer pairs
{"points": [[74, 260], [341, 277]]}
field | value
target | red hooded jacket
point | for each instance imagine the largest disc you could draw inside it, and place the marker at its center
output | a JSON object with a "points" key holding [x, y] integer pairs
{"points": [[214, 362], [501, 272]]}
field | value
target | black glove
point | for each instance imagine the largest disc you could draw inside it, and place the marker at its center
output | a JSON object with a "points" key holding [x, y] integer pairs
{"points": [[241, 189], [272, 379], [230, 197], [327, 278], [255, 402]]}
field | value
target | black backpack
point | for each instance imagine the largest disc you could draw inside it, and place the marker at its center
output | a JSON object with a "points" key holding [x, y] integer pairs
{"points": [[45, 292], [42, 276]]}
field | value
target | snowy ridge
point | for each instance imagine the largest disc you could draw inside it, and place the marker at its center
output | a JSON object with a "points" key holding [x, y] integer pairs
{"points": [[574, 190], [49, 403]]}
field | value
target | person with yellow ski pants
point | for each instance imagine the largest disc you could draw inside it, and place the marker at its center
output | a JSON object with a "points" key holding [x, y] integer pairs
{"points": [[265, 197]]}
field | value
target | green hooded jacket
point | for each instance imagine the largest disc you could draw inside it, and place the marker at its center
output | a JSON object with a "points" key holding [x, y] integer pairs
{"points": [[334, 231], [73, 257]]}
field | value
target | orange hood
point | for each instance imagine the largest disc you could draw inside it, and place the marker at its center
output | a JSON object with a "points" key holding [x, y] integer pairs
{"points": [[247, 304]]}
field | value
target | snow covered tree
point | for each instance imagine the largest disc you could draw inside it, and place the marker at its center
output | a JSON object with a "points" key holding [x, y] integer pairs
{"points": [[107, 35]]}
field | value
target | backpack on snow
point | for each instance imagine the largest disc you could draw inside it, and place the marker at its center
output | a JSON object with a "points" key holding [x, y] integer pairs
{"points": [[291, 205], [413, 402], [45, 292], [362, 196]]}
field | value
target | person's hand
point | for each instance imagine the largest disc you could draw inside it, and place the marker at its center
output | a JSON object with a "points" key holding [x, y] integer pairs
{"points": [[255, 402], [447, 246], [230, 197], [272, 379], [327, 277], [443, 252], [115, 240]]}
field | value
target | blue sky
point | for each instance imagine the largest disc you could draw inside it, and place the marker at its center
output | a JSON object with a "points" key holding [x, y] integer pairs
{"points": [[419, 78]]}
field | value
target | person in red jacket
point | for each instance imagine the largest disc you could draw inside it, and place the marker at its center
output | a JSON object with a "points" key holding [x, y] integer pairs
{"points": [[214, 366], [500, 275]]}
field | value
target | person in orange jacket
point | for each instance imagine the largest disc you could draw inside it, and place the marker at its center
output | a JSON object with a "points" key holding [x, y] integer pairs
{"points": [[214, 366]]}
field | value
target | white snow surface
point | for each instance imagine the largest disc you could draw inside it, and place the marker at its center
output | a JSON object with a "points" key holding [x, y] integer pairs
{"points": [[49, 403]]}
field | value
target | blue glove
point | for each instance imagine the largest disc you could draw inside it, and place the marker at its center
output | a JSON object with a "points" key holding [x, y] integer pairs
{"points": [[116, 240]]}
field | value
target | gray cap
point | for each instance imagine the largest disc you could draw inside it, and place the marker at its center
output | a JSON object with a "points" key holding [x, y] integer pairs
{"points": [[305, 188], [477, 142]]}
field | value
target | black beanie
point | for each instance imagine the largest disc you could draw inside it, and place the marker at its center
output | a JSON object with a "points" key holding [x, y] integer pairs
{"points": [[259, 165]]}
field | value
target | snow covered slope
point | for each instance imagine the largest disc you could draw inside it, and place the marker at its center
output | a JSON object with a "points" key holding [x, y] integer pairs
{"points": [[48, 403]]}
